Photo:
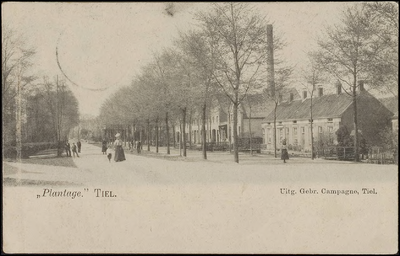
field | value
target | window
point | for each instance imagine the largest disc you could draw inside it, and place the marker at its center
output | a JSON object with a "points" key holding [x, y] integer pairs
{"points": [[304, 94], [319, 129], [302, 130], [212, 119], [216, 119], [294, 131], [330, 129], [295, 122], [330, 120]]}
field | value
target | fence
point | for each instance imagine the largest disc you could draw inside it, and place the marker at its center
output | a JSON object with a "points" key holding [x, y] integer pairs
{"points": [[336, 153], [378, 155]]}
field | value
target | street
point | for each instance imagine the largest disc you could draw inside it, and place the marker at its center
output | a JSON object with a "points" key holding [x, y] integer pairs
{"points": [[201, 206]]}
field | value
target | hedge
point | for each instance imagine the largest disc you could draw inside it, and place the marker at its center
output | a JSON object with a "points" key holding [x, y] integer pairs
{"points": [[28, 149]]}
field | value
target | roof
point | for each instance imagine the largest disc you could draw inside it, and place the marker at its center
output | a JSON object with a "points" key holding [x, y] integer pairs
{"points": [[326, 106], [391, 103], [261, 106], [258, 104]]}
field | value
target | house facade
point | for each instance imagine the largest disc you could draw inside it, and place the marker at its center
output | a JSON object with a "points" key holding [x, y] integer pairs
{"points": [[293, 119], [219, 118]]}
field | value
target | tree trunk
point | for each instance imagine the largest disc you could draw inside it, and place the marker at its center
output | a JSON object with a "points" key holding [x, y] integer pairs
{"points": [[356, 155], [180, 138], [203, 132], [184, 130], [173, 135], [148, 135], [311, 128], [235, 135], [250, 142], [229, 131], [19, 121], [275, 129], [190, 130], [167, 131], [156, 135]]}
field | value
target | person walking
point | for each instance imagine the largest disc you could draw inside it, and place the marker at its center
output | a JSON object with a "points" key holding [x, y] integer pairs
{"points": [[284, 152], [67, 149], [79, 144], [104, 147], [138, 146], [119, 151], [74, 150]]}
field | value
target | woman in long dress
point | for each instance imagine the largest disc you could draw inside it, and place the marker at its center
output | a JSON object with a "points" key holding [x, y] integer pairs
{"points": [[104, 147], [284, 152], [119, 151]]}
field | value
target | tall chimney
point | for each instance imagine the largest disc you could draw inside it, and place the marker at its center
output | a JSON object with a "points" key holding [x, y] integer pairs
{"points": [[338, 87], [270, 60], [361, 85]]}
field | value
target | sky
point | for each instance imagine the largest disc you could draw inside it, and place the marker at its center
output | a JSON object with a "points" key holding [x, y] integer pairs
{"points": [[102, 46]]}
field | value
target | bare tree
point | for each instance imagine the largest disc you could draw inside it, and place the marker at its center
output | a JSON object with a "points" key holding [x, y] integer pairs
{"points": [[198, 47], [283, 76], [240, 51], [16, 60], [312, 76], [384, 20], [350, 51]]}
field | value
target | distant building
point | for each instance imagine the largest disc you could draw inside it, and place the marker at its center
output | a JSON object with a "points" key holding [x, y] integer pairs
{"points": [[329, 113], [219, 118]]}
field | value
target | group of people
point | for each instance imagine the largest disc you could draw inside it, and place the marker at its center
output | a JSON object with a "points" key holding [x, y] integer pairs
{"points": [[120, 155], [135, 145], [118, 151], [76, 148]]}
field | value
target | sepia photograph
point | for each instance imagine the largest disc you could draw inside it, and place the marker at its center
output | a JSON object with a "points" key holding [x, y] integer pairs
{"points": [[200, 127]]}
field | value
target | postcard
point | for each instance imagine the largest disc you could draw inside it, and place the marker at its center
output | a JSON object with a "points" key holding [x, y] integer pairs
{"points": [[177, 127]]}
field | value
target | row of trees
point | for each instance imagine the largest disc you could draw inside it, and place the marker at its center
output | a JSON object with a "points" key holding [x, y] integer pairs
{"points": [[228, 54], [33, 110]]}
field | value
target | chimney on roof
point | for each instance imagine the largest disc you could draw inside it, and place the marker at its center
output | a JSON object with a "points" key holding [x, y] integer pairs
{"points": [[361, 85], [338, 87], [290, 97], [320, 91], [304, 95]]}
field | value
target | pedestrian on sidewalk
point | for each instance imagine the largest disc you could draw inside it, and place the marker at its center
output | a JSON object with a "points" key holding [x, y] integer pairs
{"points": [[138, 146], [284, 152], [104, 147], [119, 151], [67, 149], [74, 150], [109, 153], [79, 144]]}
